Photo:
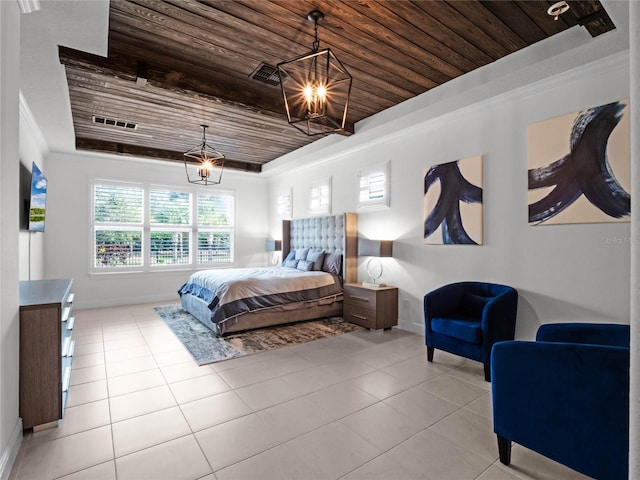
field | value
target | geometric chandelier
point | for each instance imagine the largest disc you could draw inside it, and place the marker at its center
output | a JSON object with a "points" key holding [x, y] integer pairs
{"points": [[208, 165], [316, 88]]}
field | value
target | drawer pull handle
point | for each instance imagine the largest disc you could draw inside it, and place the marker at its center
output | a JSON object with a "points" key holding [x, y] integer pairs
{"points": [[360, 317], [361, 299]]}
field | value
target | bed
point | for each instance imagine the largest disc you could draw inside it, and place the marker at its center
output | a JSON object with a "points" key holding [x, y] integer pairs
{"points": [[234, 299]]}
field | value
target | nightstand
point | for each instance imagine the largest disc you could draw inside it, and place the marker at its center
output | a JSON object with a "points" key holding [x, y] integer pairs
{"points": [[373, 308]]}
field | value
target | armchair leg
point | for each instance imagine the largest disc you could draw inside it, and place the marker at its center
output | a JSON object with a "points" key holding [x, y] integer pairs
{"points": [[487, 372], [430, 354], [504, 450]]}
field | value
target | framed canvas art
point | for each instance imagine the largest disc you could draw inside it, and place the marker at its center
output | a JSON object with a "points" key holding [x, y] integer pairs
{"points": [[579, 167], [452, 203]]}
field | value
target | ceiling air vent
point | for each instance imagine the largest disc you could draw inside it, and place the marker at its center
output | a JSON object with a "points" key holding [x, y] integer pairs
{"points": [[266, 74], [114, 123]]}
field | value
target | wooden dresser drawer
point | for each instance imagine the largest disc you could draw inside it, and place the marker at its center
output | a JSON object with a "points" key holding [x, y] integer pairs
{"points": [[369, 307]]}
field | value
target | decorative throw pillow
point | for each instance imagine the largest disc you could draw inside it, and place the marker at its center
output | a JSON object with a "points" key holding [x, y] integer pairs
{"points": [[317, 258], [290, 256], [305, 265], [301, 253], [332, 263], [291, 263]]}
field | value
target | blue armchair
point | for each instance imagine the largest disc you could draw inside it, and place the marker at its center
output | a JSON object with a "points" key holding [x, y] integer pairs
{"points": [[467, 318], [566, 396]]}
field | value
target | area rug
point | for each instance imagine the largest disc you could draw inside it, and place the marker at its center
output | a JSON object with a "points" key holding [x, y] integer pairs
{"points": [[206, 347]]}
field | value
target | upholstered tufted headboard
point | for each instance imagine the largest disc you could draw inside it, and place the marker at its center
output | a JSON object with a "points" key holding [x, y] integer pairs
{"points": [[333, 233]]}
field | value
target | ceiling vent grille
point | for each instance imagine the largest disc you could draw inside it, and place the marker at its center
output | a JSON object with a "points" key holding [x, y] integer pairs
{"points": [[266, 74], [114, 123]]}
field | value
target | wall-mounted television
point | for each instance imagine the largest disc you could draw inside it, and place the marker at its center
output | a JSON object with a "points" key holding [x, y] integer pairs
{"points": [[37, 200]]}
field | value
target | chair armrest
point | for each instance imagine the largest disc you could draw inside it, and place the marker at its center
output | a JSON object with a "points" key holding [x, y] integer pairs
{"points": [[569, 402], [590, 333], [499, 317]]}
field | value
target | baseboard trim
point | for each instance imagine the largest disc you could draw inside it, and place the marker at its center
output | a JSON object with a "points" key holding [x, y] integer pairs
{"points": [[11, 452]]}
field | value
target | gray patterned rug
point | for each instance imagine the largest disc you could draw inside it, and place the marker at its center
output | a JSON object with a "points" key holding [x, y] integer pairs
{"points": [[205, 347]]}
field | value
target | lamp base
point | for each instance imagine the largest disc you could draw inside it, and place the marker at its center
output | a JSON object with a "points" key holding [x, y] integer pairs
{"points": [[373, 285]]}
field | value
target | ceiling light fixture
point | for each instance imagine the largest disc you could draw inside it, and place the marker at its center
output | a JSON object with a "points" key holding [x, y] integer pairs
{"points": [[208, 165], [316, 88], [557, 9]]}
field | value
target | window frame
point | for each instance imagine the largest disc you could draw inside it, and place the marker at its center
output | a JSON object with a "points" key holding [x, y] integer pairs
{"points": [[318, 186], [147, 227], [385, 201]]}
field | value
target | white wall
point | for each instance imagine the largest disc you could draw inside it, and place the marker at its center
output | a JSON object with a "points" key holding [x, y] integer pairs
{"points": [[10, 424], [67, 231], [563, 273]]}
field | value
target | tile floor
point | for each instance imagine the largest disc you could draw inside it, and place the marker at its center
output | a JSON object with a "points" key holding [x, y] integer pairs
{"points": [[364, 405]]}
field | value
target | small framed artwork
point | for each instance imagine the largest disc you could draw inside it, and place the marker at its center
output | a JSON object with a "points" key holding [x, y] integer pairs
{"points": [[579, 167], [452, 203]]}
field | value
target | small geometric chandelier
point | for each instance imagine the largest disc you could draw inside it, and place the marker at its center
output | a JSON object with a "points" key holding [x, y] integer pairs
{"points": [[207, 170], [316, 88]]}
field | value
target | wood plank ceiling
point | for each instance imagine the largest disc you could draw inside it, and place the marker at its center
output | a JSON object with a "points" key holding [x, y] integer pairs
{"points": [[176, 64]]}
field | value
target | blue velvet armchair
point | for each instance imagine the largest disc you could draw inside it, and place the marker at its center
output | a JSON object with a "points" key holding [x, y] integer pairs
{"points": [[467, 318], [566, 396]]}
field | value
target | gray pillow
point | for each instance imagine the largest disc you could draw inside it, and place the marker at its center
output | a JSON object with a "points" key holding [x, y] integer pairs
{"points": [[332, 263], [290, 263], [305, 265], [301, 253], [317, 258]]}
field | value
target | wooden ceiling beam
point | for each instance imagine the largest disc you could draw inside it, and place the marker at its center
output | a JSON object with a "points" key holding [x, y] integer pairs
{"points": [[102, 146]]}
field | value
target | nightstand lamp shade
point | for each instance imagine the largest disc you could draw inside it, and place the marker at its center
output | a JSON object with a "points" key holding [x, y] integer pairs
{"points": [[274, 245], [374, 249]]}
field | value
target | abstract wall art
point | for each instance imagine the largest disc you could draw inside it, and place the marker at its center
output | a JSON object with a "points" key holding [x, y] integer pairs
{"points": [[452, 202], [579, 167]]}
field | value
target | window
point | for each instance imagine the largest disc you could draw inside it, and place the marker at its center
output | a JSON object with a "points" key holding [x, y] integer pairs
{"points": [[321, 198], [139, 227], [284, 205], [373, 187]]}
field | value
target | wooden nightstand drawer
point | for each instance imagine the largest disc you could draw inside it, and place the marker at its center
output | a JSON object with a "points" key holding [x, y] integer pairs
{"points": [[370, 307]]}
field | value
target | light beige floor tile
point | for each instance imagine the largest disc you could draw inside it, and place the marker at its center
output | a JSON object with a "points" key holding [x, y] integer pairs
{"points": [[87, 348], [140, 403], [148, 430], [481, 406], [471, 431], [496, 473], [266, 369], [87, 392], [123, 354], [380, 384], [120, 343], [80, 331], [179, 459], [425, 408], [87, 360], [267, 394], [78, 419], [341, 400], [132, 365], [383, 467], [184, 371], [88, 374], [414, 370], [454, 390], [87, 339], [471, 372], [135, 382], [433, 457], [307, 457], [55, 458], [237, 439], [167, 344], [103, 471], [211, 411], [382, 426], [199, 387], [172, 357]]}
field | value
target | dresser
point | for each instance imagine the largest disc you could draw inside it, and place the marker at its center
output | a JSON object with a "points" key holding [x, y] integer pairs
{"points": [[46, 350], [373, 308]]}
